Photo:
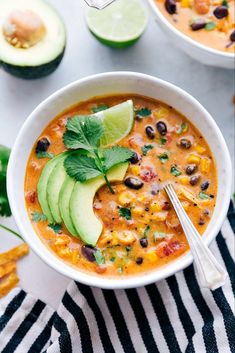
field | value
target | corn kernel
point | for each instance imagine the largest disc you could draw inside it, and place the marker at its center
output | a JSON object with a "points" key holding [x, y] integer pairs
{"points": [[135, 170], [137, 211], [61, 241], [126, 197], [155, 207], [193, 158], [184, 180], [185, 3], [127, 237], [159, 216], [200, 149], [151, 256], [205, 165], [64, 252], [74, 256], [140, 198], [161, 113], [105, 239]]}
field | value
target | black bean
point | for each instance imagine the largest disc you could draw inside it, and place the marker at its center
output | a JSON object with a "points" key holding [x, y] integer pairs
{"points": [[232, 36], [194, 179], [135, 158], [198, 24], [139, 260], [170, 6], [184, 143], [221, 12], [133, 183], [201, 222], [161, 128], [88, 252], [144, 242], [191, 168], [205, 185], [150, 132], [42, 145]]}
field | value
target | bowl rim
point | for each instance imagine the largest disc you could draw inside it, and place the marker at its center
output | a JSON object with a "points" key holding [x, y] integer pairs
{"points": [[91, 279], [186, 38]]}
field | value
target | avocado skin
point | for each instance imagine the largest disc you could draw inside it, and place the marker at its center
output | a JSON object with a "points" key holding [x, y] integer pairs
{"points": [[33, 72]]}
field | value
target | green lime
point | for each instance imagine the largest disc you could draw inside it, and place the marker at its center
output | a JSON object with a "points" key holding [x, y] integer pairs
{"points": [[118, 122], [120, 24]]}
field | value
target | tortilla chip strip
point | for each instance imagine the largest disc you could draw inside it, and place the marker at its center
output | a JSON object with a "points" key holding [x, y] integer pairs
{"points": [[14, 254], [8, 283], [7, 268]]}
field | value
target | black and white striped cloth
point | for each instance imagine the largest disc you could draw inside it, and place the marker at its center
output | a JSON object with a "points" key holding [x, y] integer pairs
{"points": [[173, 315]]}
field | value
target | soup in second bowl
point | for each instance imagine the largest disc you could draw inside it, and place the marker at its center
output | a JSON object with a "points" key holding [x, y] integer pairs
{"points": [[94, 184]]}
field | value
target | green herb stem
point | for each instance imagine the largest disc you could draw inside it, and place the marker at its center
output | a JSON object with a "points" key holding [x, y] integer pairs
{"points": [[11, 231], [108, 184]]}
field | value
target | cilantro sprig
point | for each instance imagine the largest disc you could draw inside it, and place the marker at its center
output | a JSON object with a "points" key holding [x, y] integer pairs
{"points": [[83, 134]]}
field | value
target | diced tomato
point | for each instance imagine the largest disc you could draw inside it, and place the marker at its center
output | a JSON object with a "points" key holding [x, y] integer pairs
{"points": [[167, 248], [31, 196], [147, 174]]}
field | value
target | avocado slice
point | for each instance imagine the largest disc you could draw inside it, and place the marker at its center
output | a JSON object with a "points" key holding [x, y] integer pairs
{"points": [[54, 185], [64, 200], [32, 38], [42, 185], [87, 225]]}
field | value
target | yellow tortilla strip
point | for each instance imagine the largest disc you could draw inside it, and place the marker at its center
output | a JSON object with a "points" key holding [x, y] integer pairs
{"points": [[8, 283], [14, 254], [7, 268]]}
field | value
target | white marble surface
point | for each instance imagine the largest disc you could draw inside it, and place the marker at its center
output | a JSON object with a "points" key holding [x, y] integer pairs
{"points": [[153, 54]]}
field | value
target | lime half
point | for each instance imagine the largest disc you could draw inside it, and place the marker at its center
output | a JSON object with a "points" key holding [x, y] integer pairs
{"points": [[120, 24], [118, 122]]}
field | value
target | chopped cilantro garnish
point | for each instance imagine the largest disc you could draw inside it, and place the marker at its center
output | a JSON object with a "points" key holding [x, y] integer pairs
{"points": [[38, 216], [163, 157], [203, 196], [146, 148], [210, 26], [162, 141], [99, 258], [57, 228], [43, 154], [125, 213], [183, 128], [225, 3], [146, 231], [143, 112], [175, 171], [99, 108], [113, 258]]}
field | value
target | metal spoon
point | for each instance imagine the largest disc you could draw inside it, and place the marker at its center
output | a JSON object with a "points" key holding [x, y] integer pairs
{"points": [[99, 4], [210, 273]]}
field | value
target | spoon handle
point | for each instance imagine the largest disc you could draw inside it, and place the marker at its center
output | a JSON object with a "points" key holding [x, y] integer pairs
{"points": [[99, 4], [210, 273]]}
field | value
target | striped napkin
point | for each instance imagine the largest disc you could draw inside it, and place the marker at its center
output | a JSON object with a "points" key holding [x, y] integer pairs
{"points": [[174, 315]]}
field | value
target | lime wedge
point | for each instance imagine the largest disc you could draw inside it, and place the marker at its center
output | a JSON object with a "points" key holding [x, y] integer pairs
{"points": [[118, 122], [120, 24]]}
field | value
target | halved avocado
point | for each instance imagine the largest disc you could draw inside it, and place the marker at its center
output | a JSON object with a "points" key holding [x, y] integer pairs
{"points": [[54, 185], [42, 185], [87, 225], [32, 38], [64, 200]]}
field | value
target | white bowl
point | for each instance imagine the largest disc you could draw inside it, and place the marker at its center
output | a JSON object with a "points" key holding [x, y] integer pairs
{"points": [[100, 85], [200, 52]]}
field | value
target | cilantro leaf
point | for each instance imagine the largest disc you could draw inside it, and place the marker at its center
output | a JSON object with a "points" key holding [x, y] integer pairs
{"points": [[225, 3], [116, 155], [183, 128], [125, 213], [163, 157], [143, 112], [81, 167], [99, 257], [38, 216], [146, 148], [4, 203], [57, 228], [100, 108], [175, 171], [83, 132], [43, 154], [203, 196], [162, 141]]}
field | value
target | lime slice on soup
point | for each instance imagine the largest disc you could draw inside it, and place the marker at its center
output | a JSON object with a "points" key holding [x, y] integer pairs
{"points": [[120, 24], [118, 122]]}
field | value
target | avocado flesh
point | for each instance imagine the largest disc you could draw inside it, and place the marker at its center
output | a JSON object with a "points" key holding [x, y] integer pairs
{"points": [[54, 185], [87, 225], [64, 200], [42, 185], [42, 58]]}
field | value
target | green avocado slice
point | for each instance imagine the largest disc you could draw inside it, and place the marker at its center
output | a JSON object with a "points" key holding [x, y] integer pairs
{"points": [[64, 200], [87, 225], [43, 183]]}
